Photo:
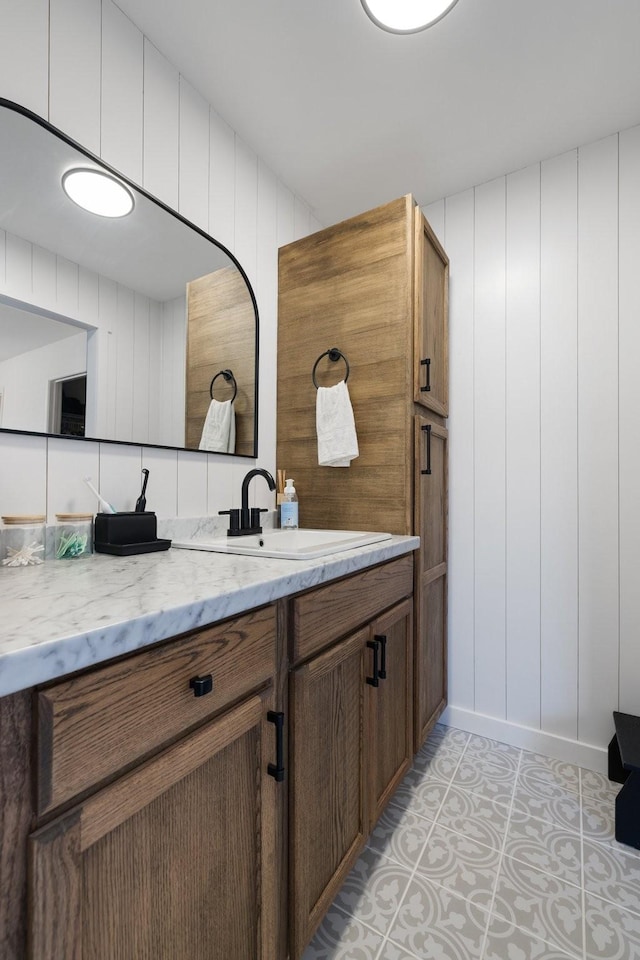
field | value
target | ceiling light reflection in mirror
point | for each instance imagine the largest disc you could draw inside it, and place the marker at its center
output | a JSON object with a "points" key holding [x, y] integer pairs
{"points": [[131, 285], [97, 192]]}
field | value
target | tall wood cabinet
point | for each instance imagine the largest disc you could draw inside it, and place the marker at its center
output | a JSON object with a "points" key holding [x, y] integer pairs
{"points": [[375, 287]]}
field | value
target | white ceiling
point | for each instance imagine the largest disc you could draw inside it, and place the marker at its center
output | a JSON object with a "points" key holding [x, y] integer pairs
{"points": [[22, 331], [350, 116]]}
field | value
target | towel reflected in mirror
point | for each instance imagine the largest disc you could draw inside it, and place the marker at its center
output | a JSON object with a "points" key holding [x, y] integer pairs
{"points": [[219, 430]]}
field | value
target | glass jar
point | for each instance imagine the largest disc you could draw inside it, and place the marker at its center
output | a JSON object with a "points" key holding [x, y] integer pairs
{"points": [[73, 535], [22, 540]]}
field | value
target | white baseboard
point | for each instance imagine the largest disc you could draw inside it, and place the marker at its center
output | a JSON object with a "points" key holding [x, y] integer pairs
{"points": [[571, 751]]}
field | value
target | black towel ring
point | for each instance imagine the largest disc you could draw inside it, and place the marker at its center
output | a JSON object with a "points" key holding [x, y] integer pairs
{"points": [[334, 355], [229, 377]]}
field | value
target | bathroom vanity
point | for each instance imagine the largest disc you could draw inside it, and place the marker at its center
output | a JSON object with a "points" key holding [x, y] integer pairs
{"points": [[191, 761]]}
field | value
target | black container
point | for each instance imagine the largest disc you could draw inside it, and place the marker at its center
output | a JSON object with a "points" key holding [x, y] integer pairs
{"points": [[125, 534]]}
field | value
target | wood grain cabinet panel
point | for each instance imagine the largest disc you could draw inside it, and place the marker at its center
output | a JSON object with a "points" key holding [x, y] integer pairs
{"points": [[15, 821], [376, 287], [351, 744], [328, 613], [95, 724], [175, 860], [431, 482], [430, 653], [327, 800], [431, 355], [431, 444], [391, 703]]}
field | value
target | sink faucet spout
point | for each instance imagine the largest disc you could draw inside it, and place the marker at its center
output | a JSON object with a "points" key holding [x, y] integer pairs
{"points": [[245, 520]]}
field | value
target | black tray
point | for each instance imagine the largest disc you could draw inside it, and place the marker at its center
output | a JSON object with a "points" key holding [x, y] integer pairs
{"points": [[129, 549]]}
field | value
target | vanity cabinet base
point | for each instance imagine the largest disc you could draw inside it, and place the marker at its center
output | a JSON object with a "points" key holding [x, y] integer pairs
{"points": [[15, 821]]}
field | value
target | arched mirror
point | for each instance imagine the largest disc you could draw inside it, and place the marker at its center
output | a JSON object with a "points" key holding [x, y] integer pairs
{"points": [[137, 328]]}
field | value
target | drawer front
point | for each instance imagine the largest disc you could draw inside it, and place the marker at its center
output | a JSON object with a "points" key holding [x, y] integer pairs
{"points": [[328, 613], [94, 725]]}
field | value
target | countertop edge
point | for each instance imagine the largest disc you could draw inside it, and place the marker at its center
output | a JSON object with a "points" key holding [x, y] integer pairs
{"points": [[40, 661]]}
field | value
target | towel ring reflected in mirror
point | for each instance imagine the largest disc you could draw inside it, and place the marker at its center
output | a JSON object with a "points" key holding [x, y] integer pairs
{"points": [[229, 377], [334, 355]]}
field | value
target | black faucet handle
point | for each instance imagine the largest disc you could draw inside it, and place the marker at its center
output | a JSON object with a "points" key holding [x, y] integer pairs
{"points": [[255, 518], [234, 520]]}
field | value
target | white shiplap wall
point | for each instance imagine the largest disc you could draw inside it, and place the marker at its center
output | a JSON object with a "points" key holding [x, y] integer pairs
{"points": [[85, 67], [544, 608]]}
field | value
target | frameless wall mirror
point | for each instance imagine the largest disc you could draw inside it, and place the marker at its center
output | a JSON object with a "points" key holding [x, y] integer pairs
{"points": [[133, 327]]}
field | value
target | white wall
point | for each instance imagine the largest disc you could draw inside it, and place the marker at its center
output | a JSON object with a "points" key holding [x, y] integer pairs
{"points": [[544, 603], [86, 68]]}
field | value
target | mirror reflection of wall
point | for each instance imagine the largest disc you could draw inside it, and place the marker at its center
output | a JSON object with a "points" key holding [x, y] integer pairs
{"points": [[35, 351], [115, 293]]}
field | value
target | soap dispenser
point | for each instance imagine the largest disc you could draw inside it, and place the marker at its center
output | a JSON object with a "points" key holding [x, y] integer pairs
{"points": [[289, 507]]}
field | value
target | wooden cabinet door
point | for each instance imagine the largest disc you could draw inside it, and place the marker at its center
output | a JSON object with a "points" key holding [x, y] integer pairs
{"points": [[176, 860], [430, 587], [431, 324], [391, 706], [431, 500], [328, 816], [430, 653]]}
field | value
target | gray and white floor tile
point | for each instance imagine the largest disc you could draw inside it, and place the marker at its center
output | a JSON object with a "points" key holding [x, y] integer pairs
{"points": [[434, 923], [611, 932], [543, 905], [400, 835], [489, 852], [474, 816], [507, 942], [461, 865], [340, 937], [421, 793], [544, 845], [373, 890], [538, 767]]}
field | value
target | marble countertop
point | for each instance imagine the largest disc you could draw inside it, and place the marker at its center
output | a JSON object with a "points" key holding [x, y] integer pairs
{"points": [[63, 616]]}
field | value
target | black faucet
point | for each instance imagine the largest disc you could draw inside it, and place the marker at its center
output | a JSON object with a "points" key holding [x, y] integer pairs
{"points": [[245, 521]]}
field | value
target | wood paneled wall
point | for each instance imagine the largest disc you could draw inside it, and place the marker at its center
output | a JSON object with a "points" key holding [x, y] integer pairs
{"points": [[544, 608], [89, 70], [220, 316]]}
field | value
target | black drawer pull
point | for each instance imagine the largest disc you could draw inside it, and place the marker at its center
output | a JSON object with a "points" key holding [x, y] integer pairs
{"points": [[428, 429], [276, 770], [426, 363], [374, 645], [382, 640], [201, 685]]}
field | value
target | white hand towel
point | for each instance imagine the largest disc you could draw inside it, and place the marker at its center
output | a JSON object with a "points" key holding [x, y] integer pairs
{"points": [[335, 426], [219, 430]]}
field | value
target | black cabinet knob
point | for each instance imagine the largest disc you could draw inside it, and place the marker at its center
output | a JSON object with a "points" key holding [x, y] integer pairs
{"points": [[201, 685]]}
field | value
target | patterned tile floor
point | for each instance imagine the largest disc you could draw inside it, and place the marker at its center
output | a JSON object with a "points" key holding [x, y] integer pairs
{"points": [[489, 852]]}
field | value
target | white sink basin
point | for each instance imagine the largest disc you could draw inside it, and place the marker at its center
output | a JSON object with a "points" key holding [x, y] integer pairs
{"points": [[288, 544]]}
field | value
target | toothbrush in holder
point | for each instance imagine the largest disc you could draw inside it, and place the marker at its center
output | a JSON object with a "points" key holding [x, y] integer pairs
{"points": [[104, 503]]}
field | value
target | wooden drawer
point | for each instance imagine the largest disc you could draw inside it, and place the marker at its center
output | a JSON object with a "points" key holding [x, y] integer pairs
{"points": [[321, 616], [98, 723]]}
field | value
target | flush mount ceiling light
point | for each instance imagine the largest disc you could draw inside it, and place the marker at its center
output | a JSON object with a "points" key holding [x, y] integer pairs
{"points": [[97, 192], [407, 16]]}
